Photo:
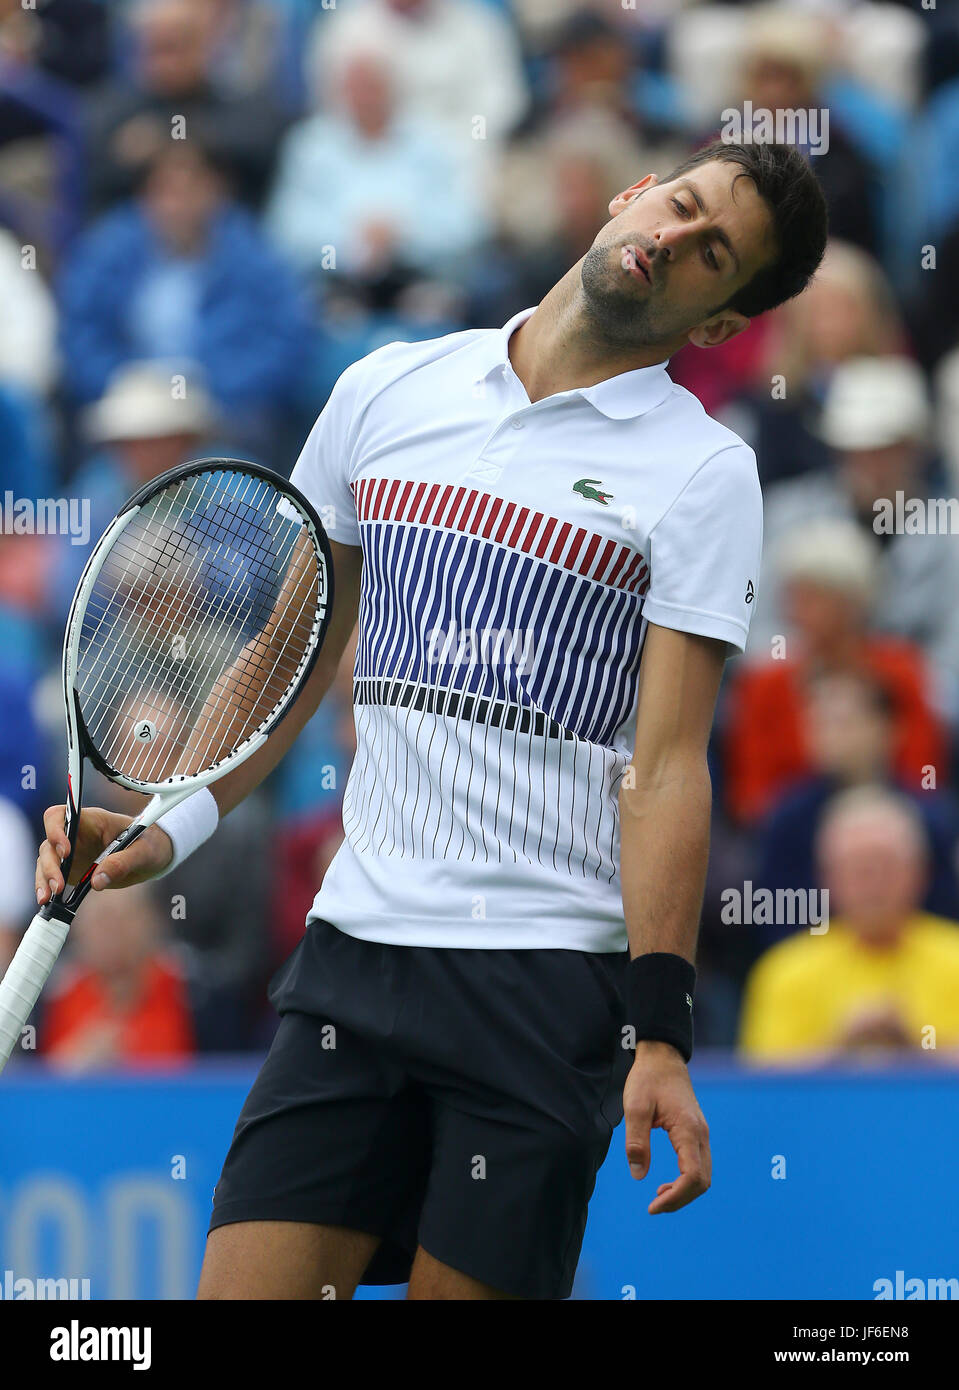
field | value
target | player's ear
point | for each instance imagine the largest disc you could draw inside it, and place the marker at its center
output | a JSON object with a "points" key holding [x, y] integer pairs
{"points": [[623, 200], [718, 329]]}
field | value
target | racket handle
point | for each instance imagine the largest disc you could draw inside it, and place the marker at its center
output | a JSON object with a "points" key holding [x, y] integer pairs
{"points": [[26, 975]]}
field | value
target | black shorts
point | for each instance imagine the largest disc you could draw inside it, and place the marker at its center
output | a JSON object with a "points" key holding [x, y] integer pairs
{"points": [[462, 1100]]}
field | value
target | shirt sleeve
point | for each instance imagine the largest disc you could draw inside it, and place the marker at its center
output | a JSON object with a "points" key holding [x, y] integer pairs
{"points": [[704, 552], [322, 471]]}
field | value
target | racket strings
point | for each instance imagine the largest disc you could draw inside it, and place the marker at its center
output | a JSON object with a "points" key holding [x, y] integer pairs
{"points": [[185, 612], [254, 695], [197, 625], [169, 561]]}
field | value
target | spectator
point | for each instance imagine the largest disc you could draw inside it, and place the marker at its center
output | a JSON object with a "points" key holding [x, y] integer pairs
{"points": [[785, 58], [140, 427], [183, 272], [829, 574], [885, 975], [224, 958], [389, 194], [41, 153], [581, 143], [29, 333], [171, 94], [121, 1002], [876, 419], [453, 62], [248, 47], [592, 66], [850, 726], [68, 39], [848, 311]]}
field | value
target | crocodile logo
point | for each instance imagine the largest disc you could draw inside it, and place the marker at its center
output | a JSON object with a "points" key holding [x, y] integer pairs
{"points": [[586, 487]]}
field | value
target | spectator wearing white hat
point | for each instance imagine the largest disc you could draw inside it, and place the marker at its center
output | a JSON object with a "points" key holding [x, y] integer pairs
{"points": [[152, 416], [876, 419]]}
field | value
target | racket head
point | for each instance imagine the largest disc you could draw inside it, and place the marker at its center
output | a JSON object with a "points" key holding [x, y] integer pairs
{"points": [[206, 555]]}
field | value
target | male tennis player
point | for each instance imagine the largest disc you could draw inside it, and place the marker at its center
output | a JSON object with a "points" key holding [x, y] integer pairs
{"points": [[552, 550]]}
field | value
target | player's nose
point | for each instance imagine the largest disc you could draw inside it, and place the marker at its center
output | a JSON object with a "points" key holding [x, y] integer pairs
{"points": [[668, 241]]}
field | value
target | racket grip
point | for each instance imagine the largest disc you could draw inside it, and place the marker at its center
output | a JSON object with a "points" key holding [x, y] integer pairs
{"points": [[26, 975]]}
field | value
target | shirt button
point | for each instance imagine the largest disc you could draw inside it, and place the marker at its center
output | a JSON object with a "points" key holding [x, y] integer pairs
{"points": [[517, 424]]}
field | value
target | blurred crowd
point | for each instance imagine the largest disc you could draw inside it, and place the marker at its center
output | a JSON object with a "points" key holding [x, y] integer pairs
{"points": [[209, 208]]}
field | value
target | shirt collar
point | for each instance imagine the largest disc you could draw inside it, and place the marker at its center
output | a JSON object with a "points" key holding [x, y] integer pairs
{"points": [[620, 397]]}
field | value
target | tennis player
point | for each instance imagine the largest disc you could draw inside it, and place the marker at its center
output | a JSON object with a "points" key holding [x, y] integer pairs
{"points": [[552, 550]]}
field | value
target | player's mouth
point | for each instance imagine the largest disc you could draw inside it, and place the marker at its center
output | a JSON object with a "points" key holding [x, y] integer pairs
{"points": [[636, 263]]}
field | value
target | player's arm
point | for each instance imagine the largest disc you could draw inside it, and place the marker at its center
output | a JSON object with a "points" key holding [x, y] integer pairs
{"points": [[347, 568], [665, 804], [151, 853]]}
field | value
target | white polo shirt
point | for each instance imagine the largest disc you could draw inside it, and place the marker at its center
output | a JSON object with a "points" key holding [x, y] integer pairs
{"points": [[513, 554]]}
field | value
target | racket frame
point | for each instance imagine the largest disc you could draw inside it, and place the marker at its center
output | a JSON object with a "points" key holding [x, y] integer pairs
{"points": [[167, 794]]}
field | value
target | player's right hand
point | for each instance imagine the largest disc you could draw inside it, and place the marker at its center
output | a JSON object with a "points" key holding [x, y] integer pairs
{"points": [[96, 828]]}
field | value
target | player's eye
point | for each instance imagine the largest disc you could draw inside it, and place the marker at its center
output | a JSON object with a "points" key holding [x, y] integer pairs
{"points": [[681, 208], [711, 260]]}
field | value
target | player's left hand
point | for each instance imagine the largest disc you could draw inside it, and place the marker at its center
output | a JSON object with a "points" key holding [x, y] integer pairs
{"points": [[659, 1095]]}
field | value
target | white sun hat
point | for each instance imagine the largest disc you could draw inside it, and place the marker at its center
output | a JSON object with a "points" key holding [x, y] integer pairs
{"points": [[875, 401], [150, 400]]}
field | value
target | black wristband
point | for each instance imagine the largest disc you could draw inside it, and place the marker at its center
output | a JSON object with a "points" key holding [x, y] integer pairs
{"points": [[659, 1000]]}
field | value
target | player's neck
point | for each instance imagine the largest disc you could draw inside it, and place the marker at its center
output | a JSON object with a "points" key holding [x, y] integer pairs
{"points": [[556, 350]]}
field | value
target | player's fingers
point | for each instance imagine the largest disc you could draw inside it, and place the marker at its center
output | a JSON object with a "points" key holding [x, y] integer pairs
{"points": [[120, 869], [694, 1174], [639, 1122], [707, 1158], [53, 821], [676, 1194], [49, 875], [145, 858]]}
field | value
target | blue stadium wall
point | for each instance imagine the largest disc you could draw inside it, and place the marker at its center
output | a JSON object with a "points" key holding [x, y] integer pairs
{"points": [[822, 1184]]}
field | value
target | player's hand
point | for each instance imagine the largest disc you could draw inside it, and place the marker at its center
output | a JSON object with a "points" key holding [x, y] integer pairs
{"points": [[878, 1025], [659, 1095], [96, 1045], [96, 828]]}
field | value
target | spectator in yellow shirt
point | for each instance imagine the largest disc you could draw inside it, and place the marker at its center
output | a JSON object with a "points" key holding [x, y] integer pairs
{"points": [[883, 975]]}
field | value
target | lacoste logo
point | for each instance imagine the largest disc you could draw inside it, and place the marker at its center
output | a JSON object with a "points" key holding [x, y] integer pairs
{"points": [[586, 487], [750, 591]]}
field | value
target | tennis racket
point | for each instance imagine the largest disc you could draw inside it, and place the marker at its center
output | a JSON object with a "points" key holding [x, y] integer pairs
{"points": [[196, 622]]}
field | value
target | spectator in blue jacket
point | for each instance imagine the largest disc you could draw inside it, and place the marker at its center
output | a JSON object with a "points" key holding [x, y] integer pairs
{"points": [[183, 273]]}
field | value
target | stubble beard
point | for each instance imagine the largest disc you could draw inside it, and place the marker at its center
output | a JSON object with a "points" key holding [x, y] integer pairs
{"points": [[616, 317]]}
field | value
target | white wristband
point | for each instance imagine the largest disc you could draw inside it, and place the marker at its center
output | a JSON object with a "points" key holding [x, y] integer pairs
{"points": [[189, 825]]}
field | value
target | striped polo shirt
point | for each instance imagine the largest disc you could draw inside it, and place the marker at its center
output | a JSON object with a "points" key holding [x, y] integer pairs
{"points": [[513, 553]]}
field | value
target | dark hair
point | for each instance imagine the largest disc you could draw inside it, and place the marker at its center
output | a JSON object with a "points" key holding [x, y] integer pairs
{"points": [[793, 194], [200, 147]]}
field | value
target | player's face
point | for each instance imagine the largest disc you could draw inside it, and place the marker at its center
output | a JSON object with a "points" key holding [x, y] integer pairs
{"points": [[675, 251]]}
